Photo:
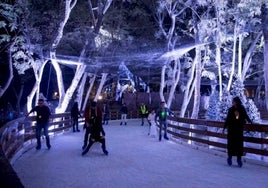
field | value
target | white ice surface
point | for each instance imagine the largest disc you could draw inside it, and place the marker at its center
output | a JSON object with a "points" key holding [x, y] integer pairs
{"points": [[135, 160]]}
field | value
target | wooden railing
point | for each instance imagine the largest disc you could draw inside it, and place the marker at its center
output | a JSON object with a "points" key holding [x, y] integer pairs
{"points": [[19, 134], [209, 134]]}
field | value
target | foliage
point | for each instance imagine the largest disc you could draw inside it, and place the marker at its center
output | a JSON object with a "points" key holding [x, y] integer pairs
{"points": [[130, 18], [130, 25], [212, 111], [238, 90], [9, 23], [218, 110], [224, 105], [14, 37], [253, 111]]}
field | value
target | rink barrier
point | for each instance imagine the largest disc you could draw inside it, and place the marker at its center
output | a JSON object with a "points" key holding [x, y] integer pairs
{"points": [[200, 132], [19, 133], [18, 136]]}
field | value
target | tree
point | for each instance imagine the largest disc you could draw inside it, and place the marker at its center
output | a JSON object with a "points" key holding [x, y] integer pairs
{"points": [[13, 42], [264, 17], [212, 111], [224, 105], [171, 10], [238, 90]]}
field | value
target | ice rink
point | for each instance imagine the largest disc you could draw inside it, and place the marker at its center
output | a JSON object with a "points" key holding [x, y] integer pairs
{"points": [[135, 160]]}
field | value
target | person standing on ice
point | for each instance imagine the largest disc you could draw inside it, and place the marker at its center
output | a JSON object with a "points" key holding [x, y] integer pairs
{"points": [[123, 111], [235, 120], [152, 124], [144, 113], [75, 114], [42, 122], [161, 116], [106, 113]]}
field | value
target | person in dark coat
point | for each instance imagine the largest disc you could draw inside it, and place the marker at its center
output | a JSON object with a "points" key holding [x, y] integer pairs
{"points": [[75, 114], [235, 120], [93, 118], [106, 113], [42, 122], [123, 111]]}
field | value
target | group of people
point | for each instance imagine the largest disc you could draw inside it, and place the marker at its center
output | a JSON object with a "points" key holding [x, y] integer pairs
{"points": [[95, 118], [93, 125], [156, 117]]}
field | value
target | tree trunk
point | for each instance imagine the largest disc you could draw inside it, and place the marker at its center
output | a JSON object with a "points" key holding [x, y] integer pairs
{"points": [[38, 73], [69, 5], [233, 61], [91, 83], [265, 49], [103, 79], [175, 81], [218, 62], [69, 93], [162, 84], [10, 68], [188, 90], [247, 58], [197, 95], [240, 53], [80, 90]]}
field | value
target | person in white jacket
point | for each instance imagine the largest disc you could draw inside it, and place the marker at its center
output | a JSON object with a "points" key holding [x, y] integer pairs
{"points": [[152, 124]]}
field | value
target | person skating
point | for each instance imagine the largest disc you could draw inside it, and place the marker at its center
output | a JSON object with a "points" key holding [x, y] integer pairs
{"points": [[144, 113], [152, 124], [42, 122], [94, 120], [124, 111], [161, 116], [75, 114], [106, 113]]}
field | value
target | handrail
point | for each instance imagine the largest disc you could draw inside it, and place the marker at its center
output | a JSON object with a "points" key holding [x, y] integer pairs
{"points": [[209, 134], [18, 134]]}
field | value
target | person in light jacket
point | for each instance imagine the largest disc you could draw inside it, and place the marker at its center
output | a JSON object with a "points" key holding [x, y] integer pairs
{"points": [[152, 124]]}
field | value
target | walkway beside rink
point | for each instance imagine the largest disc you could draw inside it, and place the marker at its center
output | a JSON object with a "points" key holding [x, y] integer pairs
{"points": [[135, 160]]}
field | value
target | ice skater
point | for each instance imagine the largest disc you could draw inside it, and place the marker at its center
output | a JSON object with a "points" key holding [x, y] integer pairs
{"points": [[97, 134], [161, 115], [75, 114], [152, 124], [42, 122]]}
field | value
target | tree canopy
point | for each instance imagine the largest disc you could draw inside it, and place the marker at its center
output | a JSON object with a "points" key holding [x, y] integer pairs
{"points": [[175, 44]]}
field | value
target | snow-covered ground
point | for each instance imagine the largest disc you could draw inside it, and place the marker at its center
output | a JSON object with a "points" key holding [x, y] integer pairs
{"points": [[135, 160]]}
